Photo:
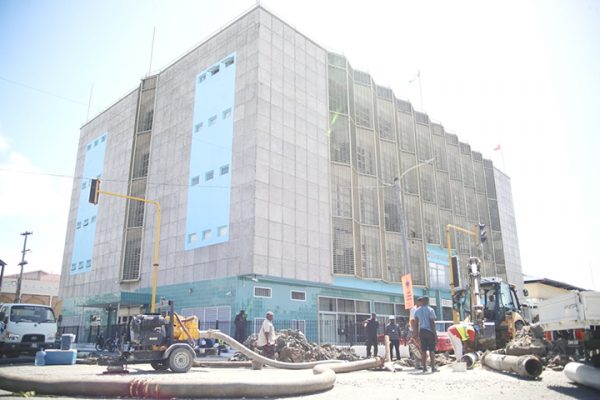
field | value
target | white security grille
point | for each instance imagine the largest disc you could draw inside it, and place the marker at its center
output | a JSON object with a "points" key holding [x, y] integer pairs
{"points": [[262, 291]]}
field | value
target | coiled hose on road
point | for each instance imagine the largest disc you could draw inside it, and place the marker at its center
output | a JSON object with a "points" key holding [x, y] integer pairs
{"points": [[323, 378]]}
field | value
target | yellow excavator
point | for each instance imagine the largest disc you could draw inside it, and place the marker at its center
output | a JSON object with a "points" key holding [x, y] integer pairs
{"points": [[492, 305]]}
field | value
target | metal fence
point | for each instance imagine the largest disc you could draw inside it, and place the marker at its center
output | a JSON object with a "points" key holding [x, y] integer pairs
{"points": [[322, 332]]}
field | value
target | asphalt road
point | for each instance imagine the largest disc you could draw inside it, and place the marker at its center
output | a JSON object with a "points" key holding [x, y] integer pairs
{"points": [[478, 383]]}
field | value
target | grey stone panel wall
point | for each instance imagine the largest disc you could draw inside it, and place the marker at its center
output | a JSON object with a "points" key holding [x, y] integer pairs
{"points": [[292, 208], [118, 120], [168, 176]]}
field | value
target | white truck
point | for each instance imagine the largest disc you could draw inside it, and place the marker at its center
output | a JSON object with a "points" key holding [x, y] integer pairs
{"points": [[575, 311], [25, 328]]}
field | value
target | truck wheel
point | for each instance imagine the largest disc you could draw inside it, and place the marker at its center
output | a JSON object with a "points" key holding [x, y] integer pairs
{"points": [[159, 365], [181, 360]]}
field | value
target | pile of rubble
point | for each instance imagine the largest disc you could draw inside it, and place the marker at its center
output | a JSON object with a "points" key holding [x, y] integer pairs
{"points": [[292, 346], [415, 358], [528, 341]]}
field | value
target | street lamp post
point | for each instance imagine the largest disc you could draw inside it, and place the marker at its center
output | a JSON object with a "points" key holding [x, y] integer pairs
{"points": [[400, 212]]}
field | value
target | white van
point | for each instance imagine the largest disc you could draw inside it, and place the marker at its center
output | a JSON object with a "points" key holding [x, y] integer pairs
{"points": [[25, 328]]}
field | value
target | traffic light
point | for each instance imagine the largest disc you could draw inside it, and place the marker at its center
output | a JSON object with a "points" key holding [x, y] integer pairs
{"points": [[94, 191], [455, 271], [482, 233]]}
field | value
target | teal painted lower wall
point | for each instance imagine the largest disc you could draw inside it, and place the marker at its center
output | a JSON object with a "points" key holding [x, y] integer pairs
{"points": [[238, 293]]}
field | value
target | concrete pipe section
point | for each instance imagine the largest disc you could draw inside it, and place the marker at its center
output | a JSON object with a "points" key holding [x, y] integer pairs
{"points": [[526, 366], [79, 380], [583, 374], [470, 359]]}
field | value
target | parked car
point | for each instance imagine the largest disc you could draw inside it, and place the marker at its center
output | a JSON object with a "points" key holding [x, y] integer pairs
{"points": [[443, 341]]}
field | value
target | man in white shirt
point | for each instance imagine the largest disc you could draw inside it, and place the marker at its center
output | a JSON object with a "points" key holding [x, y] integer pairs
{"points": [[266, 337]]}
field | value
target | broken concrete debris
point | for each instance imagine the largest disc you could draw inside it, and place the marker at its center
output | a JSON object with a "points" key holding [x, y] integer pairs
{"points": [[292, 346]]}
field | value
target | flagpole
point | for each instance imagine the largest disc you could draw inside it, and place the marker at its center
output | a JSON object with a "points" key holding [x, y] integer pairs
{"points": [[421, 92]]}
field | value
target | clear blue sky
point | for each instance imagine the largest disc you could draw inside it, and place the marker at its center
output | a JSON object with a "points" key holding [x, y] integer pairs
{"points": [[523, 74]]}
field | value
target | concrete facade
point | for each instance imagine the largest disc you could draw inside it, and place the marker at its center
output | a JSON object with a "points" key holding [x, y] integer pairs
{"points": [[288, 201]]}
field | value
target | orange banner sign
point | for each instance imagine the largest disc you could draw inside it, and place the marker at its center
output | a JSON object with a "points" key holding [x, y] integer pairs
{"points": [[407, 288]]}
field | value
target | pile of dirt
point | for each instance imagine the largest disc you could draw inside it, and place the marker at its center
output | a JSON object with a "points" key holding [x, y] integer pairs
{"points": [[292, 346], [528, 341], [557, 362]]}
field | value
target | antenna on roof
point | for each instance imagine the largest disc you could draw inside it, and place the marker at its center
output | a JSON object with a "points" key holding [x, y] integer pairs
{"points": [[151, 50]]}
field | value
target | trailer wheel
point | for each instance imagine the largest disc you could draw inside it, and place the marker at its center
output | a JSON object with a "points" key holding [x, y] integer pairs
{"points": [[159, 365], [181, 360]]}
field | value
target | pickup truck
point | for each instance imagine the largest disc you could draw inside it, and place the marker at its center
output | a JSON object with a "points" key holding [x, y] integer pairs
{"points": [[579, 311]]}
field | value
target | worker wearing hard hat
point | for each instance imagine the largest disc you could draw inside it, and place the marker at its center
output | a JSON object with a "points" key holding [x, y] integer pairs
{"points": [[462, 337]]}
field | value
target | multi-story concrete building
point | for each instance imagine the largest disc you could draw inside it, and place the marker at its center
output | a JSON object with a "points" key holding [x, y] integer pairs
{"points": [[272, 161]]}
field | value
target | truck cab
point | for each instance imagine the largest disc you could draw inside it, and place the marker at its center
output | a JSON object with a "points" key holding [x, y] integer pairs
{"points": [[25, 328]]}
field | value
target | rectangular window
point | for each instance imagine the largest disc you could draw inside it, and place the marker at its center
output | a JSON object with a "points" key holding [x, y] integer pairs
{"points": [[228, 61], [93, 219], [201, 78], [227, 113], [195, 180], [86, 222], [214, 70], [89, 146], [207, 234], [212, 120], [327, 304], [73, 267], [198, 127], [262, 292], [192, 237], [225, 169], [88, 264], [103, 139], [80, 265], [95, 142], [83, 185], [298, 295], [222, 231], [78, 224], [209, 175]]}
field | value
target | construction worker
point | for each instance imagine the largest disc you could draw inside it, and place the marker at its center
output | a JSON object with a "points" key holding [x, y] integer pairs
{"points": [[392, 330], [462, 336], [372, 326], [266, 337]]}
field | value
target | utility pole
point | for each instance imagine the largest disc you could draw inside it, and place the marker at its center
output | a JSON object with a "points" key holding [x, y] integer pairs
{"points": [[22, 264]]}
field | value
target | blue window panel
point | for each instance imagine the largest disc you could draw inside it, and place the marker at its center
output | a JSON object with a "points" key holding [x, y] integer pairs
{"points": [[209, 203], [85, 234]]}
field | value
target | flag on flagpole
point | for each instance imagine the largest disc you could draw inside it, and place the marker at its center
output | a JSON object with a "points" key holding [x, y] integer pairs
{"points": [[497, 148]]}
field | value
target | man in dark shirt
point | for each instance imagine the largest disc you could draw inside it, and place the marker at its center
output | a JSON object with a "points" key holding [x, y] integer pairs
{"points": [[392, 330], [372, 326]]}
